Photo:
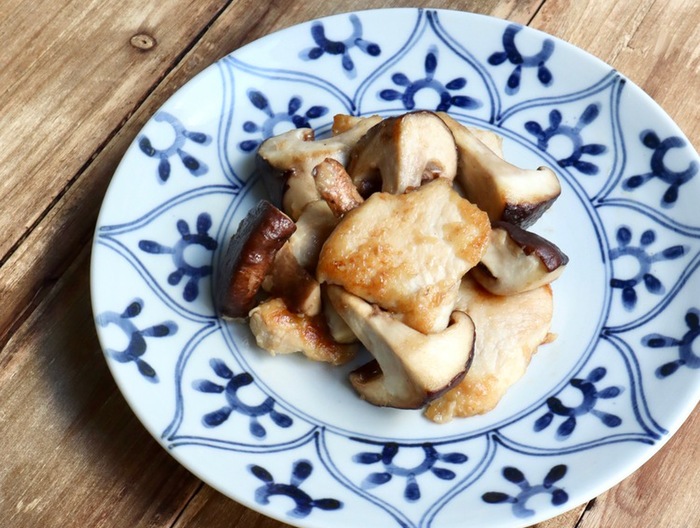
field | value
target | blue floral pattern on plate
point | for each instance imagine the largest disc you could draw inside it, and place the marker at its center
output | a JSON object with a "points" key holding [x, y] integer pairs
{"points": [[275, 432]]}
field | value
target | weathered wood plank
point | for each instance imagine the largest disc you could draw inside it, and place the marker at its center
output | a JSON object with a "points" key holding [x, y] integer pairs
{"points": [[71, 90], [42, 485], [211, 509], [666, 487], [49, 247], [54, 386], [653, 43], [73, 453]]}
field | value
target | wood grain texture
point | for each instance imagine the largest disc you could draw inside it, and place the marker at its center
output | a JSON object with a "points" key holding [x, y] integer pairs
{"points": [[74, 92], [654, 43], [73, 453], [666, 487]]}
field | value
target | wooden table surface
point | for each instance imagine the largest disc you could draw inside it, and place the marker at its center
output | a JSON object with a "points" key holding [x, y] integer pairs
{"points": [[77, 82]]}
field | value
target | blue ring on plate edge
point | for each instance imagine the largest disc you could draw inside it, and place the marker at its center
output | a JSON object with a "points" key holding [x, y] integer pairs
{"points": [[535, 137]]}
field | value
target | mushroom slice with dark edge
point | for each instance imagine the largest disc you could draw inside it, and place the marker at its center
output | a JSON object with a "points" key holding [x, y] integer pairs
{"points": [[280, 331], [292, 276], [509, 331], [402, 152], [409, 368], [504, 191], [249, 258], [516, 260], [335, 187], [285, 162]]}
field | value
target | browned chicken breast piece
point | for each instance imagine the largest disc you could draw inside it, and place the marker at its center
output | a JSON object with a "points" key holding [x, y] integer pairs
{"points": [[508, 332], [280, 331], [407, 253]]}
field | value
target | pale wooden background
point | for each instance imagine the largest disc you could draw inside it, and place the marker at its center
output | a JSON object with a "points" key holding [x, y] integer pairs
{"points": [[77, 81]]}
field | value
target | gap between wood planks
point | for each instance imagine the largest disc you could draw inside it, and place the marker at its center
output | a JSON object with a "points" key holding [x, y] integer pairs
{"points": [[175, 63], [45, 286]]}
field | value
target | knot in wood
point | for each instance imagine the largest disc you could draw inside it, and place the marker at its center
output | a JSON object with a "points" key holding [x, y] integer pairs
{"points": [[143, 41]]}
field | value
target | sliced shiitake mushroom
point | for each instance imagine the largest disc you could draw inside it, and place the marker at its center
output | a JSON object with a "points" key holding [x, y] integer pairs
{"points": [[249, 258], [402, 152], [286, 161], [504, 191], [314, 225], [289, 281], [516, 260], [335, 187], [509, 330], [409, 368]]}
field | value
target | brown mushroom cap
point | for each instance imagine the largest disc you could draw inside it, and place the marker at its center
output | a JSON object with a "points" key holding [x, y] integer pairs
{"points": [[516, 260], [504, 191], [249, 257], [402, 152]]}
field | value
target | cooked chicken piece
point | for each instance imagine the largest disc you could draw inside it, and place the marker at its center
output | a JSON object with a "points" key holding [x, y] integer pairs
{"points": [[508, 332], [280, 331], [407, 253]]}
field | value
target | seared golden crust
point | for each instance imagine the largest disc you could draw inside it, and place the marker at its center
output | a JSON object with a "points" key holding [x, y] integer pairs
{"points": [[407, 253], [509, 331]]}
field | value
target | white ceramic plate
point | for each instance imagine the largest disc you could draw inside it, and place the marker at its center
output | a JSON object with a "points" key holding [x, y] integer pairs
{"points": [[290, 438]]}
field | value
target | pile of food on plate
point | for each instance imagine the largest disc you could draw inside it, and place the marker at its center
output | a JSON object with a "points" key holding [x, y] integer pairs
{"points": [[408, 235]]}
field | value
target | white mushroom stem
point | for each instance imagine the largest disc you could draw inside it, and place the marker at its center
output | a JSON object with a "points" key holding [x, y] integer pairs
{"points": [[504, 191], [413, 368]]}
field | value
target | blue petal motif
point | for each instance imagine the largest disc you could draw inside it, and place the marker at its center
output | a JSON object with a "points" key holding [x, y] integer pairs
{"points": [[412, 492], [304, 504], [324, 45], [233, 384], [511, 54], [687, 357], [182, 135], [574, 135], [527, 491], [183, 268], [659, 169], [430, 82], [589, 397], [137, 344]]}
